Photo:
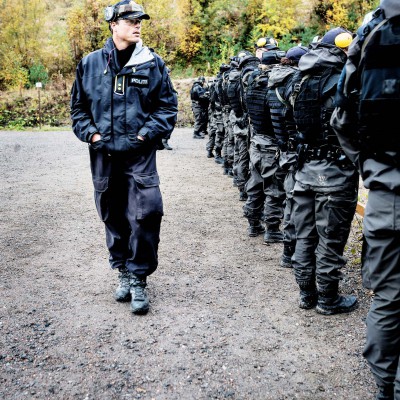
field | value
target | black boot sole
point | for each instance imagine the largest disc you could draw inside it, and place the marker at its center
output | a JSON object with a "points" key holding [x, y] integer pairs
{"points": [[333, 311], [125, 299], [140, 311]]}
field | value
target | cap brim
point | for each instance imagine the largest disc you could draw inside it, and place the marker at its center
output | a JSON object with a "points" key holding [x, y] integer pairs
{"points": [[135, 15]]}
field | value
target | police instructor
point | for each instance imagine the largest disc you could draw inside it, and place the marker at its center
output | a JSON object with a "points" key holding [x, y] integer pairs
{"points": [[123, 104]]}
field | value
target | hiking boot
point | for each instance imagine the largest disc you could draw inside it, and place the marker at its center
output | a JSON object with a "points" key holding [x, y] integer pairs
{"points": [[273, 235], [286, 261], [333, 303], [196, 136], [286, 258], [165, 144], [308, 296], [122, 292], [255, 228], [140, 300], [210, 154]]}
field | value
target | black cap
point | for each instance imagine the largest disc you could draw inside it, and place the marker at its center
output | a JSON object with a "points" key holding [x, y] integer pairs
{"points": [[126, 9]]}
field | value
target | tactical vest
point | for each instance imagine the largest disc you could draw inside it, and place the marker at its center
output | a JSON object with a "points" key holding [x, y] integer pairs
{"points": [[313, 105], [218, 89], [246, 70], [281, 115], [257, 103], [379, 74], [224, 92], [194, 94], [233, 91]]}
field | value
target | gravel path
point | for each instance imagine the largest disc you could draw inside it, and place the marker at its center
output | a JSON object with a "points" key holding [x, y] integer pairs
{"points": [[223, 323]]}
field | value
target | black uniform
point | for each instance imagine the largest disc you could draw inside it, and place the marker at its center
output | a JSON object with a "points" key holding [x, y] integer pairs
{"points": [[120, 103], [264, 188], [200, 101], [369, 136], [325, 192]]}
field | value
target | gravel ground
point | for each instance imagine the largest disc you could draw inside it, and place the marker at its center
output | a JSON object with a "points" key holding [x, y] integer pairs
{"points": [[223, 323]]}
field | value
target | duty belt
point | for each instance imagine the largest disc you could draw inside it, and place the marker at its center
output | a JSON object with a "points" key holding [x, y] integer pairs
{"points": [[266, 148]]}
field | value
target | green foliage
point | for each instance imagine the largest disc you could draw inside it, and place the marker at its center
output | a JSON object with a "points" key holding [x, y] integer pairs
{"points": [[193, 36], [20, 112], [38, 73]]}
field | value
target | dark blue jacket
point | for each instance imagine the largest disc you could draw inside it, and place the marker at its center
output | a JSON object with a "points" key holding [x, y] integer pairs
{"points": [[120, 104]]}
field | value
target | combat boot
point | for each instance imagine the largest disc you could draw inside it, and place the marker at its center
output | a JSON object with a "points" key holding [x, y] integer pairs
{"points": [[140, 300], [218, 159], [385, 393], [286, 258], [165, 144], [308, 296], [255, 228], [210, 154], [330, 303], [197, 136], [122, 292], [242, 195], [273, 235]]}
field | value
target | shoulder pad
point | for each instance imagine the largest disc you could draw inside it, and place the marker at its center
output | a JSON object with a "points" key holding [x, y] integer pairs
{"points": [[330, 83]]}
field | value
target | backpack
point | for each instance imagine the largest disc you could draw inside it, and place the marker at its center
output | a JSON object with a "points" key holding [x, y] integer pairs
{"points": [[313, 103], [379, 78], [194, 94]]}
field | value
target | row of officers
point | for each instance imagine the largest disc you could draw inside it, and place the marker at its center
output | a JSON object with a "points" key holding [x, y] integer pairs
{"points": [[295, 129]]}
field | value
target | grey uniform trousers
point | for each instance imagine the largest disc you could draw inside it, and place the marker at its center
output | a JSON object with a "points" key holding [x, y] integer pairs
{"points": [[241, 161], [229, 141], [264, 187], [220, 132], [200, 119], [289, 231], [381, 273], [322, 223], [212, 130]]}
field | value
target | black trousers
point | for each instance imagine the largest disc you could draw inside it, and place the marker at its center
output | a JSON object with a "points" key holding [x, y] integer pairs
{"points": [[200, 119], [129, 202]]}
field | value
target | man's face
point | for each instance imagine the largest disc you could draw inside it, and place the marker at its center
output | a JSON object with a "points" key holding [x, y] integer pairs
{"points": [[126, 32], [260, 51]]}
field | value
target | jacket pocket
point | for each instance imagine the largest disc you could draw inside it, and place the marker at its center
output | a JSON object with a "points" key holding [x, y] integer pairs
{"points": [[148, 195], [98, 146], [101, 197]]}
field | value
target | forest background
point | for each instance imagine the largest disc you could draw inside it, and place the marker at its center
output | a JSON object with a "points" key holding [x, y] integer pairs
{"points": [[43, 41]]}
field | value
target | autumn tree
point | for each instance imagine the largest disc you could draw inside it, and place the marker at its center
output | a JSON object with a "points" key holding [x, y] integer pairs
{"points": [[346, 13], [160, 32], [86, 28], [21, 36]]}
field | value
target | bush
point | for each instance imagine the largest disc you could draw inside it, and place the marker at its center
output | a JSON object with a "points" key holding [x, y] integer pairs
{"points": [[38, 73]]}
